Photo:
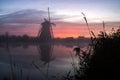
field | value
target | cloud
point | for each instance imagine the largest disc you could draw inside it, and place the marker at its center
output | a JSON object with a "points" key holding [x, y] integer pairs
{"points": [[32, 16], [24, 16]]}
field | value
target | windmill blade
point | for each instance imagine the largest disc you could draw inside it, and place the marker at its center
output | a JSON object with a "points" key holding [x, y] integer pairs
{"points": [[53, 24], [51, 30], [48, 14]]}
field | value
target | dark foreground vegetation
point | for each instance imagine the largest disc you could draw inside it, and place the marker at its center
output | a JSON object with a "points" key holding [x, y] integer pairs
{"points": [[101, 61]]}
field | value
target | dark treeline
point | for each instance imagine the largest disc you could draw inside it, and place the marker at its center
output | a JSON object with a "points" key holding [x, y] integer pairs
{"points": [[13, 38], [25, 38]]}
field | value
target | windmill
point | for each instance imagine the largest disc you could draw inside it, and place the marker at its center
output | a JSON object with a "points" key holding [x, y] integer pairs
{"points": [[45, 34]]}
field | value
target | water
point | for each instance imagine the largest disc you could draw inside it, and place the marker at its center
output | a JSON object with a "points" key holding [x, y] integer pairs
{"points": [[36, 62]]}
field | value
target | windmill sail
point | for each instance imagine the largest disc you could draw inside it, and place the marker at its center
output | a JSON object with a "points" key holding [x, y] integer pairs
{"points": [[46, 32]]}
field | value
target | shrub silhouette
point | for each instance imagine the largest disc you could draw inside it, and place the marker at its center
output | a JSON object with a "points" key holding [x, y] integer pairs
{"points": [[101, 60], [104, 63]]}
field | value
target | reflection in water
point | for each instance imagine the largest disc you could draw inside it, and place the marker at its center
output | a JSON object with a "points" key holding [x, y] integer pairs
{"points": [[27, 63], [45, 51]]}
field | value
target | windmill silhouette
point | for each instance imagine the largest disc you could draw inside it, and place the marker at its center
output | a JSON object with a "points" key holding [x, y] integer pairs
{"points": [[45, 34]]}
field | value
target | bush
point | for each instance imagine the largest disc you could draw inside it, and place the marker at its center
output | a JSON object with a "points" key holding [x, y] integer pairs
{"points": [[101, 60], [104, 63]]}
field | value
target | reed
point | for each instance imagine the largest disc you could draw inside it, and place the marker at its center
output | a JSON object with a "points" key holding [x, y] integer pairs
{"points": [[14, 74], [100, 60]]}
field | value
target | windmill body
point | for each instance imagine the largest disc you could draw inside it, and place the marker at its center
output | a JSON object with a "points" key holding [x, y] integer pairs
{"points": [[45, 34]]}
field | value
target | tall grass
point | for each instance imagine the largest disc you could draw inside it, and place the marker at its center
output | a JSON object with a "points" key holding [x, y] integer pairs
{"points": [[101, 60], [13, 68]]}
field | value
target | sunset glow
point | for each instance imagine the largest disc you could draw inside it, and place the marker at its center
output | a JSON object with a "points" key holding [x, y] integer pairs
{"points": [[62, 30], [66, 14]]}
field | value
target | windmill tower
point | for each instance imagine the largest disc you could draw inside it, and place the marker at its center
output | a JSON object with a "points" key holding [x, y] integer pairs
{"points": [[45, 34]]}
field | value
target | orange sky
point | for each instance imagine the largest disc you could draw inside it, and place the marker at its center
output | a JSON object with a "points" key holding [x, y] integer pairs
{"points": [[62, 29], [69, 30]]}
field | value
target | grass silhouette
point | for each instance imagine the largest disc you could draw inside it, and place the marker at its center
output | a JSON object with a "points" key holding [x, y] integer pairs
{"points": [[101, 60]]}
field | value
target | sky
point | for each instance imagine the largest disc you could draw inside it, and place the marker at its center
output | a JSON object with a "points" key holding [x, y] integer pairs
{"points": [[96, 11]]}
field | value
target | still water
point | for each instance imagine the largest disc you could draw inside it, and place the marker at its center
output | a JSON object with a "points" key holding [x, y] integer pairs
{"points": [[36, 62]]}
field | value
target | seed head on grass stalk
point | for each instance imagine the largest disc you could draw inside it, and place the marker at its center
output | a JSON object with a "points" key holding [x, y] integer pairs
{"points": [[103, 26], [91, 33], [103, 23], [86, 22]]}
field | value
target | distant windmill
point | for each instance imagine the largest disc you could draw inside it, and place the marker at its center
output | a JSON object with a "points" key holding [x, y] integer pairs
{"points": [[45, 34]]}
